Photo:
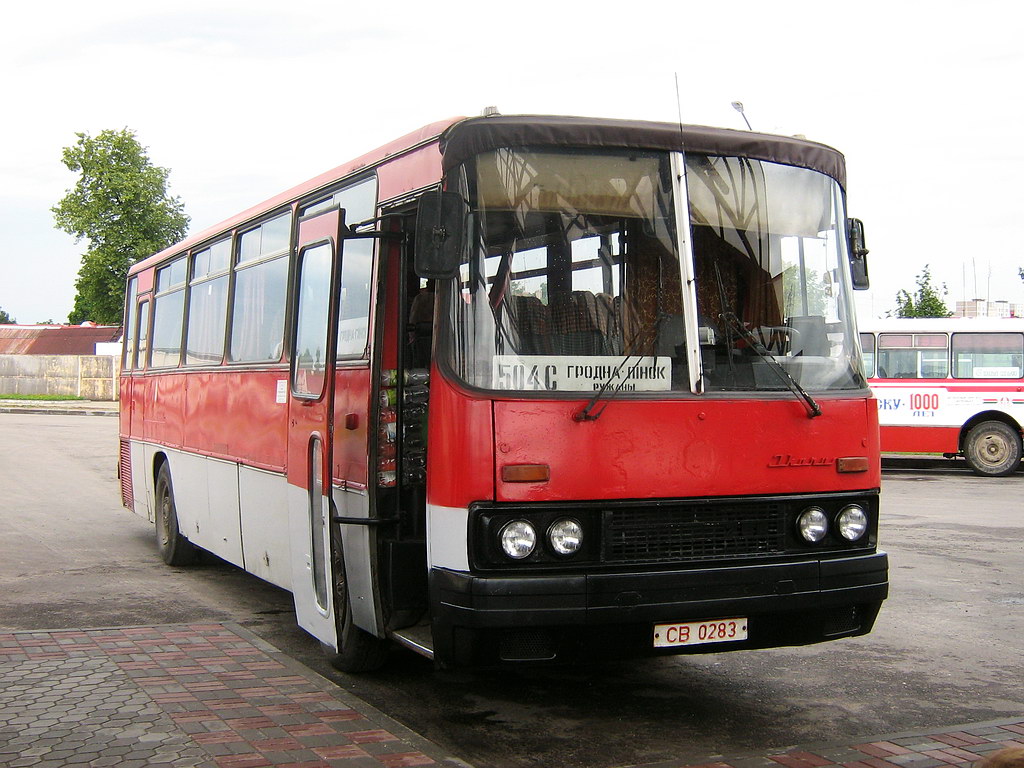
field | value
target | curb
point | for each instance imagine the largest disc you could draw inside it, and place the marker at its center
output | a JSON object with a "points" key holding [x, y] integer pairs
{"points": [[59, 408]]}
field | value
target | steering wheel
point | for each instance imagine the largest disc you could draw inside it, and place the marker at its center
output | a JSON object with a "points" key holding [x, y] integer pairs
{"points": [[775, 335]]}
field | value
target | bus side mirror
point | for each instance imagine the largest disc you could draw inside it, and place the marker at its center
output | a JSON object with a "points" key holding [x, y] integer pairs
{"points": [[858, 255], [440, 232]]}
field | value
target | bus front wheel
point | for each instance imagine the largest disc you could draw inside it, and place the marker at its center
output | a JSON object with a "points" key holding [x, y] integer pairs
{"points": [[174, 548], [992, 449]]}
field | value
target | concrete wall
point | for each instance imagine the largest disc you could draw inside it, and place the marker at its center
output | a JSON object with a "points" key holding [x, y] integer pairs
{"points": [[93, 377]]}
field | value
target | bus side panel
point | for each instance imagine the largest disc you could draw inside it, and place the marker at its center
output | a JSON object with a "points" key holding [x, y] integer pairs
{"points": [[266, 545], [352, 397], [142, 481], [648, 449], [124, 396], [163, 408], [206, 408], [254, 421], [206, 503], [904, 439], [460, 469], [460, 458]]}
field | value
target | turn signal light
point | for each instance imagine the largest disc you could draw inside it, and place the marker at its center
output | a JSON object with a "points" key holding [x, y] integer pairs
{"points": [[852, 464], [526, 473]]}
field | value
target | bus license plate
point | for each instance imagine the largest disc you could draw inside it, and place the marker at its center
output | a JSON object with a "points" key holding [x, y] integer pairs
{"points": [[699, 632]]}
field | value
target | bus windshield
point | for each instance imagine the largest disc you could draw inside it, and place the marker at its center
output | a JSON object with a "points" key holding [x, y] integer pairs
{"points": [[575, 279]]}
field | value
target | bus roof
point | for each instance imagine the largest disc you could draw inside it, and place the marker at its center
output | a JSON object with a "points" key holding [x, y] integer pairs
{"points": [[481, 134], [424, 135]]}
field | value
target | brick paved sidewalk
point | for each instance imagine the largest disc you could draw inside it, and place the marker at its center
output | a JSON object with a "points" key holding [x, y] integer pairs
{"points": [[209, 695], [956, 747], [216, 696]]}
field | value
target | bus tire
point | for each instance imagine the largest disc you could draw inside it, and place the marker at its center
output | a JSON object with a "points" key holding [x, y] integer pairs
{"points": [[993, 449], [174, 548], [358, 650]]}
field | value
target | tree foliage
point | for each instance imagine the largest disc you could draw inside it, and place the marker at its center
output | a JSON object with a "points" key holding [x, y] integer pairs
{"points": [[927, 301], [121, 206], [6, 318]]}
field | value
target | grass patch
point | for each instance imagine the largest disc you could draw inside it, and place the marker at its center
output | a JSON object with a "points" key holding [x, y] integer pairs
{"points": [[41, 397]]}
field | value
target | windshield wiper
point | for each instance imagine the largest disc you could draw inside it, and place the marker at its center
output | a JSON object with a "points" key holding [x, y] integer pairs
{"points": [[813, 409], [587, 413]]}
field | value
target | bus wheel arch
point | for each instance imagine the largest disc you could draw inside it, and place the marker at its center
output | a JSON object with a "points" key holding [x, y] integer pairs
{"points": [[991, 443], [174, 548], [358, 650]]}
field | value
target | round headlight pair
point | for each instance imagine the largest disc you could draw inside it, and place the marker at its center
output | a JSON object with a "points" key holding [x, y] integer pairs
{"points": [[851, 522], [519, 538]]}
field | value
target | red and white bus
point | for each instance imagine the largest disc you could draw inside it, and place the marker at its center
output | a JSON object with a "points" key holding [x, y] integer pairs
{"points": [[953, 386], [523, 389]]}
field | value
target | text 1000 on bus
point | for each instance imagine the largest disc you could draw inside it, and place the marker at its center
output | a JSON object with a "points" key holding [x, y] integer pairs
{"points": [[515, 390]]}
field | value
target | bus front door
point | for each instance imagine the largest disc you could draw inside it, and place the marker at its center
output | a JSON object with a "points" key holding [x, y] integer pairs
{"points": [[311, 428]]}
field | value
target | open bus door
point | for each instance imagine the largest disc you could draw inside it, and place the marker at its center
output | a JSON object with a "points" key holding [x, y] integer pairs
{"points": [[310, 424], [320, 583]]}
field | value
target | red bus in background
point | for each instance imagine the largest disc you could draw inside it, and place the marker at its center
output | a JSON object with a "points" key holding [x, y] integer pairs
{"points": [[953, 386], [523, 389]]}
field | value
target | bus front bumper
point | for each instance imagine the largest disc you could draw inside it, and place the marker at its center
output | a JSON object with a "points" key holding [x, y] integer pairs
{"points": [[484, 620]]}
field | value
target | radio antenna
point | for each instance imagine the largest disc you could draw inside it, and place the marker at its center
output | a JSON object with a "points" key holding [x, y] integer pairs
{"points": [[679, 109]]}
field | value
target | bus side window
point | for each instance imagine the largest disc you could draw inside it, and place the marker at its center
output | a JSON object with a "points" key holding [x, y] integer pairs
{"points": [[988, 355], [168, 314], [359, 202], [142, 347], [260, 289]]}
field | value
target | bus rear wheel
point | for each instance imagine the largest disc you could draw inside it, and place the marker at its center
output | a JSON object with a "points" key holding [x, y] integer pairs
{"points": [[993, 449], [358, 650], [174, 548]]}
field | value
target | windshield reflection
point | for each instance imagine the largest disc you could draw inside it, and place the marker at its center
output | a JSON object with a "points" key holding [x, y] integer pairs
{"points": [[574, 265]]}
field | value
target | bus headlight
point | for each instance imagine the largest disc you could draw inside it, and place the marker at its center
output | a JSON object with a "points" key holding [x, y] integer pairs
{"points": [[852, 522], [518, 539], [812, 524], [565, 536]]}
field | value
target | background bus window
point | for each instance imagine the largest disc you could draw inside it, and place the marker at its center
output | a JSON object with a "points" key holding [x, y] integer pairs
{"points": [[913, 356], [261, 282], [168, 315], [867, 344], [208, 305], [988, 355]]}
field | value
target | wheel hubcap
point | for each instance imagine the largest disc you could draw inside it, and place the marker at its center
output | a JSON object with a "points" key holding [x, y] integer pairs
{"points": [[994, 450]]}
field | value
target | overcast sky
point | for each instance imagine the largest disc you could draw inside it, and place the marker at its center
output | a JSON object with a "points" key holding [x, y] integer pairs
{"points": [[243, 100]]}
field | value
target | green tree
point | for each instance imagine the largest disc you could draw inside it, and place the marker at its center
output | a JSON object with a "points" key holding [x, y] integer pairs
{"points": [[121, 206], [927, 301], [6, 318]]}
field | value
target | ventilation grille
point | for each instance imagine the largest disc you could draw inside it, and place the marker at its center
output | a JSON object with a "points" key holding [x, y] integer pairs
{"points": [[527, 645], [689, 532], [124, 471]]}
